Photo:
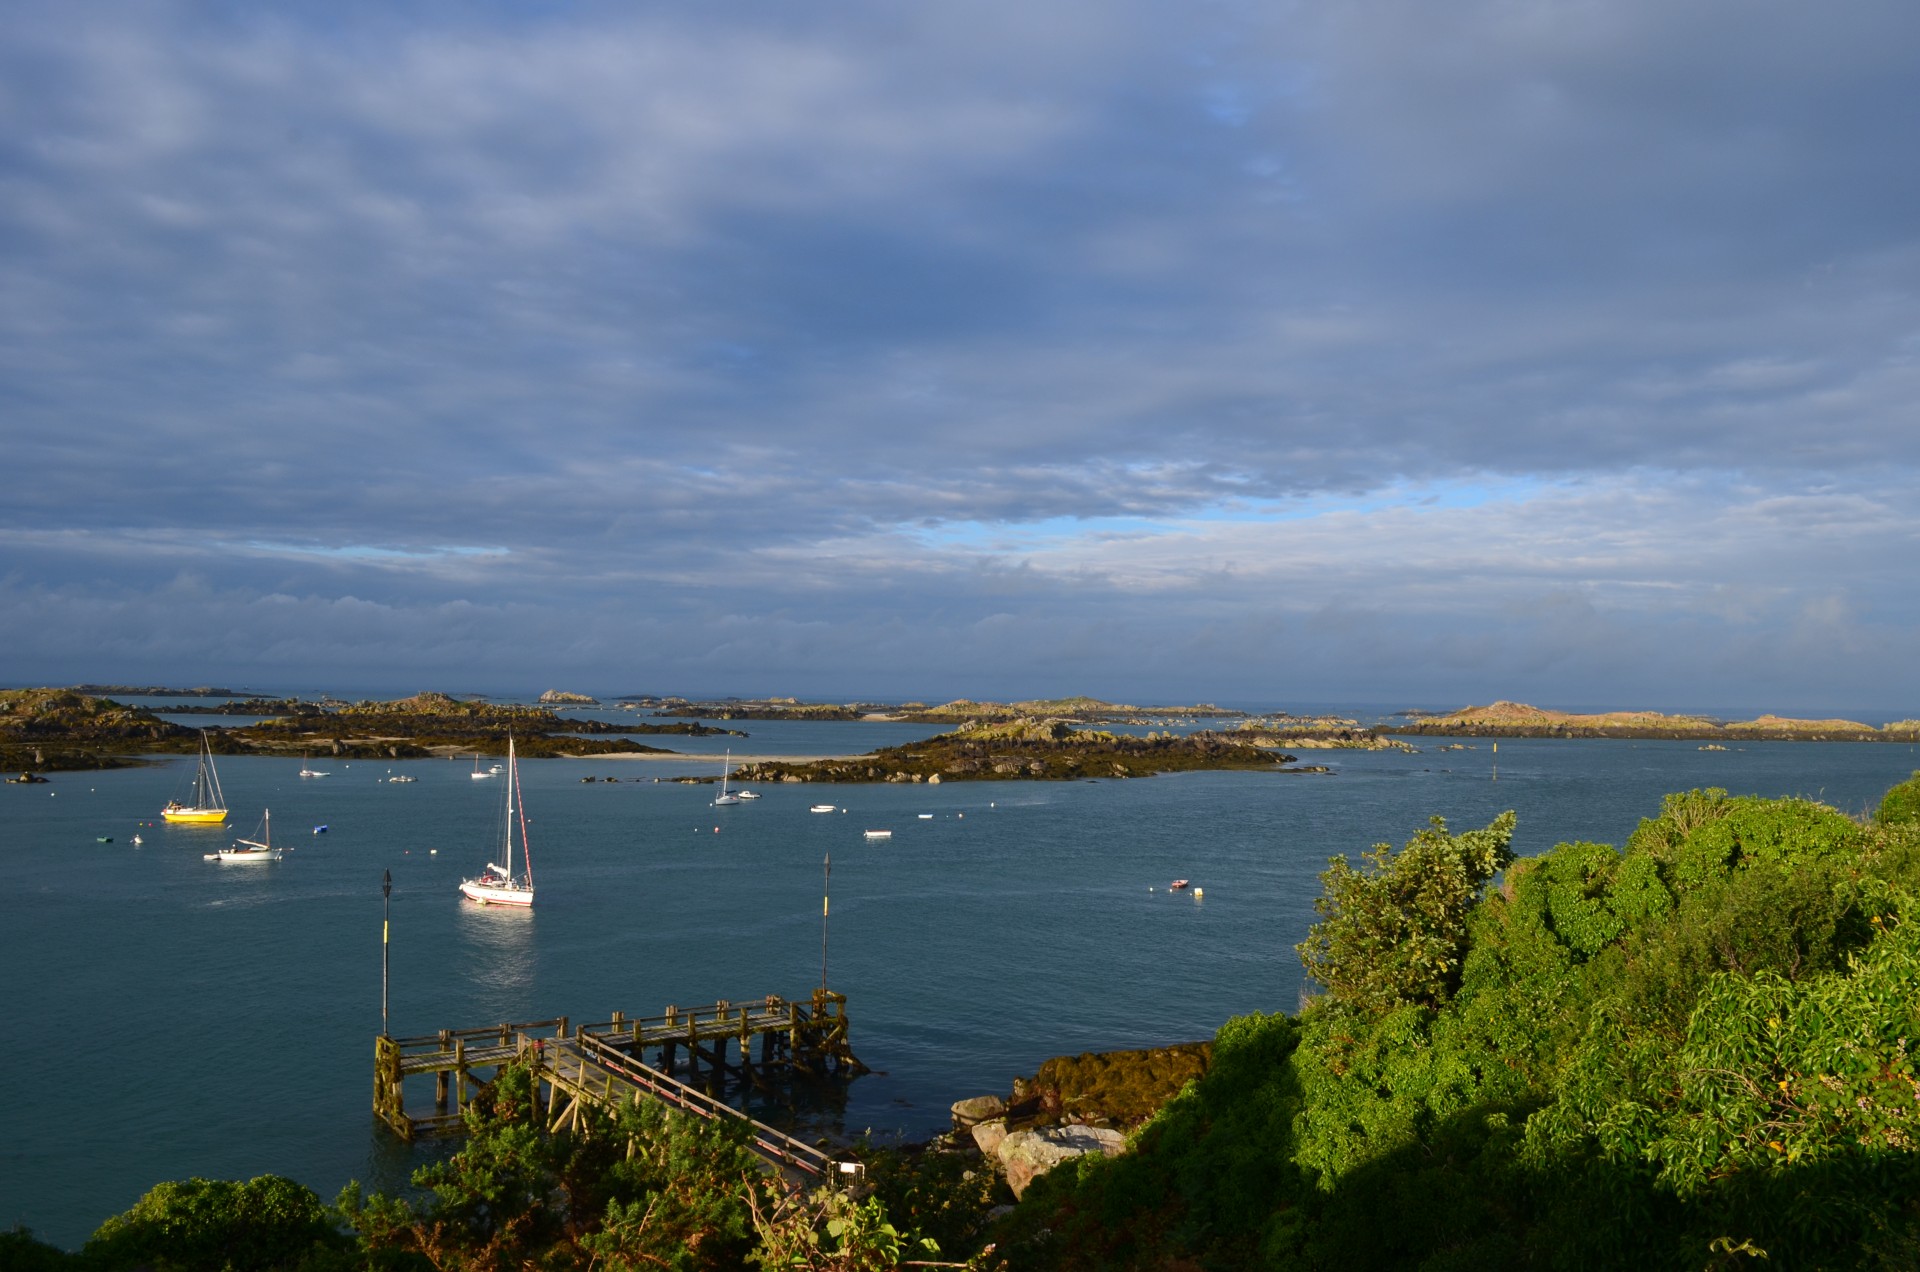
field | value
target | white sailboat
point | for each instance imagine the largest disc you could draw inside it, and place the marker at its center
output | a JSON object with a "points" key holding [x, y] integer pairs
{"points": [[479, 774], [244, 850], [500, 885], [307, 769], [209, 802], [724, 797]]}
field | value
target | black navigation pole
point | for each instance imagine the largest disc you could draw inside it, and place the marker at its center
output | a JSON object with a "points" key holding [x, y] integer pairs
{"points": [[826, 886], [386, 895]]}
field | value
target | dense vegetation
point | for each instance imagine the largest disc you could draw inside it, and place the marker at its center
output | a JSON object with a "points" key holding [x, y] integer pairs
{"points": [[652, 1189], [1693, 1052]]}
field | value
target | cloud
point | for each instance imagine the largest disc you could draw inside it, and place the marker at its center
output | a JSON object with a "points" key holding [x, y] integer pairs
{"points": [[864, 341]]}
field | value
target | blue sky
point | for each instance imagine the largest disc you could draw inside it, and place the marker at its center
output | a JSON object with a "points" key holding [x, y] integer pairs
{"points": [[1252, 352]]}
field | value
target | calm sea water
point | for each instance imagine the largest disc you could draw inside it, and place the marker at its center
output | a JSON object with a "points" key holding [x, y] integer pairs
{"points": [[173, 1017]]}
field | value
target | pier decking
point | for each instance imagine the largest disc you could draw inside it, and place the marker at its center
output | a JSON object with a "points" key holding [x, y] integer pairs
{"points": [[604, 1065]]}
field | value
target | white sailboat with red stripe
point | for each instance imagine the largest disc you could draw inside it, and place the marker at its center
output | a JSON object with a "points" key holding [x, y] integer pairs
{"points": [[500, 885]]}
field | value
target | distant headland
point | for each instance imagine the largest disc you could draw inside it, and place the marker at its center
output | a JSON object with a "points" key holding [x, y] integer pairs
{"points": [[1032, 751], [1079, 710], [1518, 720]]}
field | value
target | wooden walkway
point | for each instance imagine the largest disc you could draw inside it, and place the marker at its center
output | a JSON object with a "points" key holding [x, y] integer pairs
{"points": [[604, 1065]]}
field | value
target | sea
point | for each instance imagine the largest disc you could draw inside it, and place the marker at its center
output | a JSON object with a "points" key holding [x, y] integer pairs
{"points": [[171, 1017]]}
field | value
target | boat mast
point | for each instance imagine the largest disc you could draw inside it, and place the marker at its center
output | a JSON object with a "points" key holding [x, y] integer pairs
{"points": [[512, 771], [526, 844]]}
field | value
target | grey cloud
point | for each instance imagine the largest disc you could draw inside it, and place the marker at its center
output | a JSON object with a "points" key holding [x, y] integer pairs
{"points": [[657, 301]]}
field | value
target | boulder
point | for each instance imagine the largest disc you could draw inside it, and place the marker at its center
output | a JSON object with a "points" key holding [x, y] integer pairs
{"points": [[987, 1137], [981, 1108], [1027, 1155]]}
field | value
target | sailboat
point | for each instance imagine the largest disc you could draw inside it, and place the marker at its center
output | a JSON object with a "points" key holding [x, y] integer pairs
{"points": [[479, 774], [209, 804], [500, 885], [307, 769], [723, 797], [260, 849]]}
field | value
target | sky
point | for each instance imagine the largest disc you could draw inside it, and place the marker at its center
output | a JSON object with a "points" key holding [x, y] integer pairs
{"points": [[1277, 352]]}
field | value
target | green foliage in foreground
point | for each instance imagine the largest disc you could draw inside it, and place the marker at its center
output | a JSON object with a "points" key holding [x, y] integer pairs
{"points": [[1679, 1055], [650, 1189]]}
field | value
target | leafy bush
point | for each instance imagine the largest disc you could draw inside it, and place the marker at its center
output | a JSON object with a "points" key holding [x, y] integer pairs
{"points": [[1394, 931], [198, 1225], [1901, 806], [1692, 1053]]}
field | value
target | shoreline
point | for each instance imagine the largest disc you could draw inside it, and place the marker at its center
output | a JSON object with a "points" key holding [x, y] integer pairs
{"points": [[660, 756]]}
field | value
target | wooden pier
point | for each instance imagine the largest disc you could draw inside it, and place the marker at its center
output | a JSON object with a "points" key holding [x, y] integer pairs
{"points": [[605, 1065]]}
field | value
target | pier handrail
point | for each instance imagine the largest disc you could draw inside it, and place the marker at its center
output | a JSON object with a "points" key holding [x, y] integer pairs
{"points": [[776, 1146], [445, 1038]]}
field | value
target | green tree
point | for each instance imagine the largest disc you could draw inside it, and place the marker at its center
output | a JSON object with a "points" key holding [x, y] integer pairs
{"points": [[219, 1225], [1901, 806], [21, 1251], [1394, 932], [648, 1188]]}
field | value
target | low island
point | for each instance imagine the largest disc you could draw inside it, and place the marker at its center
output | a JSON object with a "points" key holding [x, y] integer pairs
{"points": [[1518, 720], [1032, 750], [62, 729]]}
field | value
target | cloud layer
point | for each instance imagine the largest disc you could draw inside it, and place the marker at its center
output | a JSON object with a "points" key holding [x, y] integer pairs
{"points": [[1253, 352]]}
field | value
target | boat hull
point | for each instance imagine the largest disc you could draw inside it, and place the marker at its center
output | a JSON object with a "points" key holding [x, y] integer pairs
{"points": [[194, 816], [496, 893], [244, 857]]}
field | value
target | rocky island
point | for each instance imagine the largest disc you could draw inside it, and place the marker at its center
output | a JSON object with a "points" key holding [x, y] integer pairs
{"points": [[1079, 710], [1518, 720], [1032, 750], [1316, 733], [61, 729]]}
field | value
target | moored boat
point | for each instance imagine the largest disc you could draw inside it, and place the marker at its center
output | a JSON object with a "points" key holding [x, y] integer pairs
{"points": [[723, 798], [499, 885], [250, 850], [209, 805]]}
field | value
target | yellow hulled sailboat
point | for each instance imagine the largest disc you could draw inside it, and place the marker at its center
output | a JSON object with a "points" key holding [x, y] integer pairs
{"points": [[209, 805]]}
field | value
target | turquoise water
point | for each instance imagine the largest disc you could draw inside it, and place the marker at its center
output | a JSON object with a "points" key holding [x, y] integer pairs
{"points": [[174, 1017]]}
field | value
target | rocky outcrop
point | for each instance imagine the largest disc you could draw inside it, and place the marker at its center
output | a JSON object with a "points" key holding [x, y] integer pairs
{"points": [[1518, 720], [1026, 1155], [1031, 750], [981, 1108], [570, 699]]}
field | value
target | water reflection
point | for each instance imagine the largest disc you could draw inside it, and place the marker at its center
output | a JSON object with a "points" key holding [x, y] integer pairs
{"points": [[499, 950]]}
